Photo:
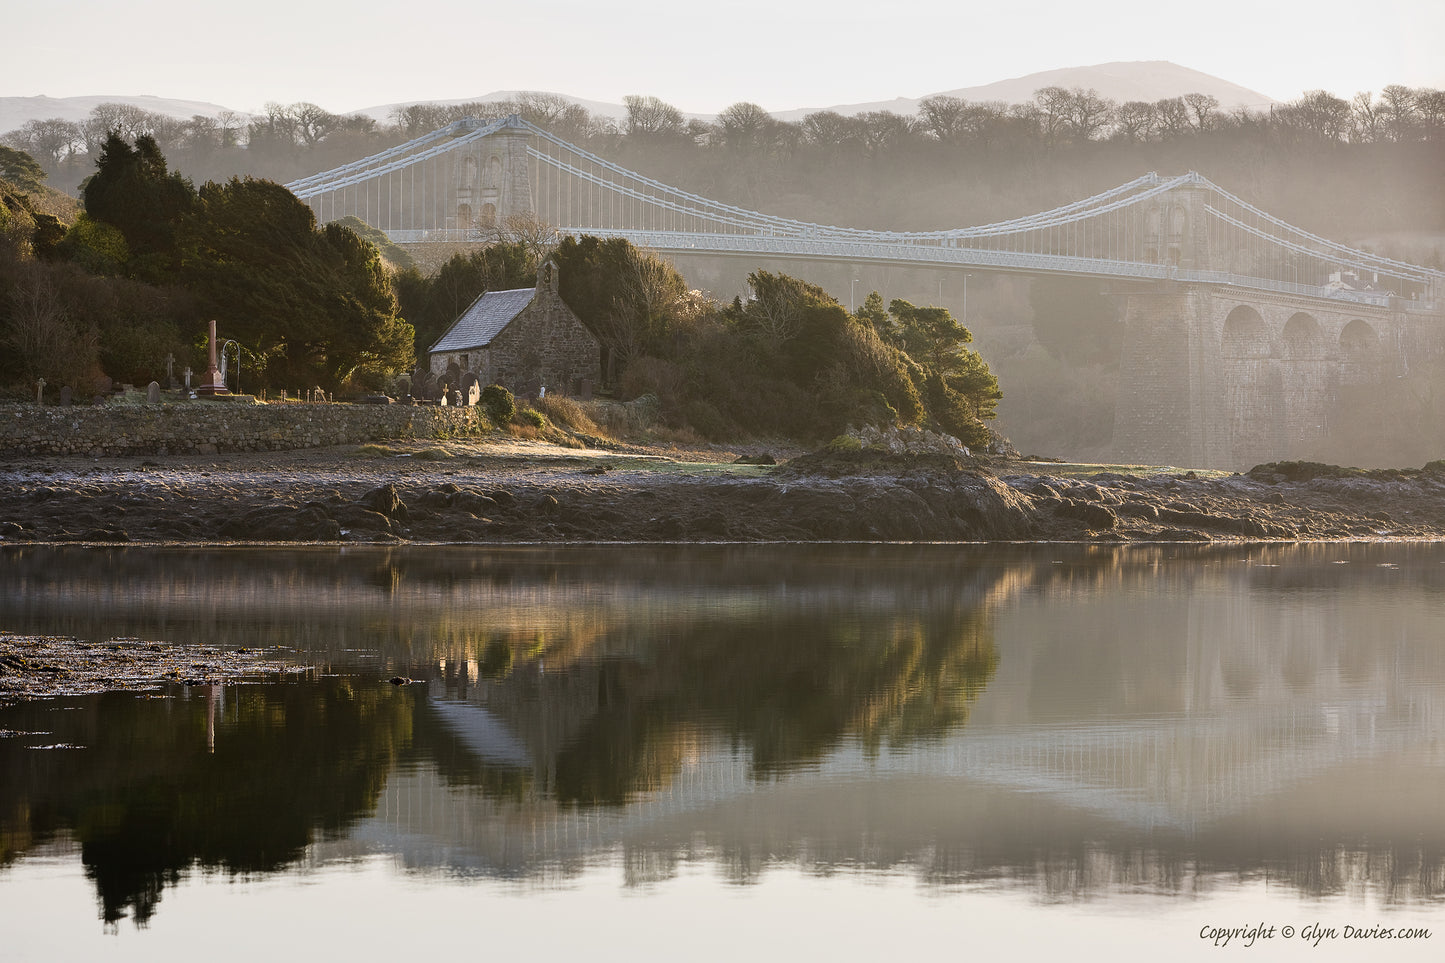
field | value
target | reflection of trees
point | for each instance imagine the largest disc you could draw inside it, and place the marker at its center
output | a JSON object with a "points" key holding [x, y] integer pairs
{"points": [[788, 686], [147, 799]]}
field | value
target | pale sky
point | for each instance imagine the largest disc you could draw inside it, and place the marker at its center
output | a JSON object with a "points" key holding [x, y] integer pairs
{"points": [[782, 54]]}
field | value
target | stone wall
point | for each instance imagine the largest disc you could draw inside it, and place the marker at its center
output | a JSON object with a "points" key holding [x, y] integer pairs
{"points": [[208, 427]]}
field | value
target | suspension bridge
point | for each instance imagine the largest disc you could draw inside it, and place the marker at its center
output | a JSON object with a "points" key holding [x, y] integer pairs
{"points": [[461, 182], [1243, 329]]}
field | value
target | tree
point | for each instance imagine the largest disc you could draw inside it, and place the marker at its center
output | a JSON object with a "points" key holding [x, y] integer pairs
{"points": [[1135, 121], [1053, 105], [314, 305], [651, 117], [1203, 108], [745, 127], [49, 141], [944, 118], [932, 336], [1397, 112], [45, 334], [20, 169], [1086, 113], [133, 191]]}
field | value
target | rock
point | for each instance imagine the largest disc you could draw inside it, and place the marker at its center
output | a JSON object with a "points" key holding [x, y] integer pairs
{"points": [[1093, 515], [105, 535], [355, 518], [282, 523], [385, 501]]}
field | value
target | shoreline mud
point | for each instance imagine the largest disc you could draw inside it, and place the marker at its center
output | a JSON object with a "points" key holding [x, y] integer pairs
{"points": [[531, 492]]}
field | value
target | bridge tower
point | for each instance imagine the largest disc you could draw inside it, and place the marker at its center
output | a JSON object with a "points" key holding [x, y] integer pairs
{"points": [[492, 179], [1172, 229]]}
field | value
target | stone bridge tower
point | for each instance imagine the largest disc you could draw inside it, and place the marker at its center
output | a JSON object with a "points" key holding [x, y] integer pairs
{"points": [[1172, 229], [493, 180]]}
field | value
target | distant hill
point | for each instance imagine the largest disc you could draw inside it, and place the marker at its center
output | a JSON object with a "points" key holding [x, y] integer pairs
{"points": [[15, 111], [1148, 80]]}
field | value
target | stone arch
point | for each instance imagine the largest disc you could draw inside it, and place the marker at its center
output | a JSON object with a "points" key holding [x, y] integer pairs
{"points": [[1360, 356], [1358, 340], [469, 172], [1253, 390], [493, 179], [464, 215], [1302, 338], [1304, 379], [489, 216], [1245, 334]]}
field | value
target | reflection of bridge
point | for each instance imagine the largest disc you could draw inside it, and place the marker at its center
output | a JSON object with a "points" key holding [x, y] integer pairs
{"points": [[1238, 319], [1160, 779]]}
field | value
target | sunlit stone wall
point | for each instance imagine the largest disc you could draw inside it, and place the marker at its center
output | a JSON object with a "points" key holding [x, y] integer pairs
{"points": [[215, 426]]}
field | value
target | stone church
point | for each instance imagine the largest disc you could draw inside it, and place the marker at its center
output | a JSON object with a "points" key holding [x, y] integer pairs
{"points": [[525, 340]]}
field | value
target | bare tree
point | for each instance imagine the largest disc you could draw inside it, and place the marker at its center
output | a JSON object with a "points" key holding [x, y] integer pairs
{"points": [[1173, 116], [1135, 121], [51, 141], [651, 117], [746, 126], [1203, 108], [1397, 110], [534, 235], [1052, 105], [312, 123], [944, 117], [1364, 118], [49, 340], [1086, 113]]}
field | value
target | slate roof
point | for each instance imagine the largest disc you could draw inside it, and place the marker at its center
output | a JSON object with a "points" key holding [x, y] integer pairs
{"points": [[484, 320]]}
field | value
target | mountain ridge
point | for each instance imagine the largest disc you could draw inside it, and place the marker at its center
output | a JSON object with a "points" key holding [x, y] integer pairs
{"points": [[1121, 81]]}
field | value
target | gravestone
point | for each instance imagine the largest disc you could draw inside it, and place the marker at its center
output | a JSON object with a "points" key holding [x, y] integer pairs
{"points": [[455, 400], [40, 391], [188, 373], [471, 390], [584, 389], [65, 396], [153, 393]]}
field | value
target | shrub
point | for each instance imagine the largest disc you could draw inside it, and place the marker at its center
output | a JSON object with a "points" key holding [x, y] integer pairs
{"points": [[499, 404], [567, 413], [707, 421], [532, 418]]}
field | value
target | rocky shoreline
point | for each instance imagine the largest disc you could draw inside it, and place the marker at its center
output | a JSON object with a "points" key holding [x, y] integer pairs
{"points": [[515, 492]]}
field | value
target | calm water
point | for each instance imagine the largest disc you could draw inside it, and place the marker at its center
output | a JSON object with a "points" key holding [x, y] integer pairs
{"points": [[798, 752]]}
